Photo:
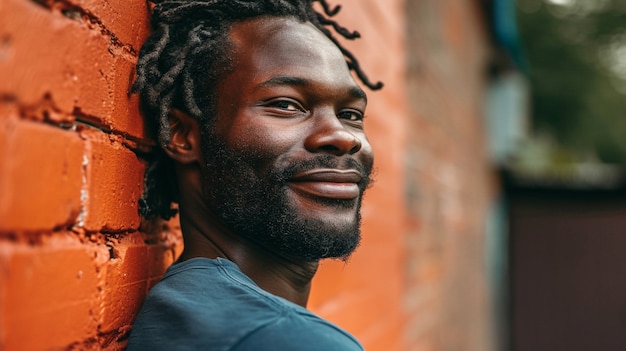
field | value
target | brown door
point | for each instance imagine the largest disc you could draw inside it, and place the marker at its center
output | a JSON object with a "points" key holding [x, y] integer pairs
{"points": [[568, 270]]}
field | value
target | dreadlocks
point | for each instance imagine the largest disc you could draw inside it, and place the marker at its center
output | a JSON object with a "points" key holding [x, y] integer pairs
{"points": [[186, 55]]}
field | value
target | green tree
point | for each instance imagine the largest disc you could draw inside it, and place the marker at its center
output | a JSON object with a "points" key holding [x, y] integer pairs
{"points": [[576, 52]]}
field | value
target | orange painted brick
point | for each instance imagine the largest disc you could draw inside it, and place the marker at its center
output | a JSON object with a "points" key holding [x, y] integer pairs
{"points": [[129, 261], [126, 282], [120, 306], [40, 176], [69, 64], [50, 293], [114, 184], [160, 257], [5, 249], [127, 20], [134, 269]]}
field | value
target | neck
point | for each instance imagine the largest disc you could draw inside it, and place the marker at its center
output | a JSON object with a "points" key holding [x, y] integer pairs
{"points": [[205, 236], [289, 280]]}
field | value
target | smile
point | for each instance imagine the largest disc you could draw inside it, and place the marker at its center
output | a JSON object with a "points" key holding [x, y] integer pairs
{"points": [[328, 183]]}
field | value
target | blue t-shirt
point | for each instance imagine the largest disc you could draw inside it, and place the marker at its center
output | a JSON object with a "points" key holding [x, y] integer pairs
{"points": [[205, 304]]}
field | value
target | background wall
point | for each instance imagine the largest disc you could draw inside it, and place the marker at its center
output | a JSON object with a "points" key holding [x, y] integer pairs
{"points": [[450, 184], [74, 265]]}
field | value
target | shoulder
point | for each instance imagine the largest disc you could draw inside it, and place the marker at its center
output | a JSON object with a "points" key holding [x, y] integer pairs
{"points": [[201, 304], [211, 305], [299, 331]]}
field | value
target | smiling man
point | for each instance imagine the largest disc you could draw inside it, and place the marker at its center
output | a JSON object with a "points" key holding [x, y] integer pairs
{"points": [[261, 128]]}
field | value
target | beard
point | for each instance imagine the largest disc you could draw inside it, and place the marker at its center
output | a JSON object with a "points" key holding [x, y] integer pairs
{"points": [[249, 193]]}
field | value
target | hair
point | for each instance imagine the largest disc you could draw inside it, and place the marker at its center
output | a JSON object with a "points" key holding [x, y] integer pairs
{"points": [[185, 57]]}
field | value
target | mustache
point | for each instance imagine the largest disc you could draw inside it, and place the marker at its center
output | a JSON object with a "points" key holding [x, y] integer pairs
{"points": [[283, 174]]}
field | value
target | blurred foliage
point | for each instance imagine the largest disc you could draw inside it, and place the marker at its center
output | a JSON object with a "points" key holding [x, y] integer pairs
{"points": [[576, 53]]}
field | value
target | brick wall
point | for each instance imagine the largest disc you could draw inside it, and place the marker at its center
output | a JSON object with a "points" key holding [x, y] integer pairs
{"points": [[450, 184], [74, 265]]}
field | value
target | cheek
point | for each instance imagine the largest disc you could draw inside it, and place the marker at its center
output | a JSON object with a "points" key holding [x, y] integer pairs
{"points": [[267, 139]]}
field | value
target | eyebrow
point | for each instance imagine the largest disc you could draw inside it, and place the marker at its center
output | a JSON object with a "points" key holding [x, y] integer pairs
{"points": [[355, 91]]}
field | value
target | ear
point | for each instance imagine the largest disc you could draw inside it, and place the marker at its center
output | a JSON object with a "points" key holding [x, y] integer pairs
{"points": [[184, 145]]}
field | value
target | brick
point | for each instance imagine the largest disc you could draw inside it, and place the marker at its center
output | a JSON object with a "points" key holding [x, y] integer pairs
{"points": [[166, 245], [128, 20], [67, 64], [40, 175], [114, 184], [128, 276], [160, 257], [133, 270], [121, 305], [4, 250], [50, 293]]}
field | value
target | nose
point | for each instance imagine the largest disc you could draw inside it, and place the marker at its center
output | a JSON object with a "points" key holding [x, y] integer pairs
{"points": [[329, 135]]}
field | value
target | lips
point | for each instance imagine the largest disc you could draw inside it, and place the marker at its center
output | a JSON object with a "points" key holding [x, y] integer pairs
{"points": [[335, 184]]}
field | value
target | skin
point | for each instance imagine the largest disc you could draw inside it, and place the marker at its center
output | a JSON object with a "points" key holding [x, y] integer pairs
{"points": [[290, 98]]}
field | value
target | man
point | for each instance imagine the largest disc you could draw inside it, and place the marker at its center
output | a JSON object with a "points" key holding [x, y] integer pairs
{"points": [[263, 124]]}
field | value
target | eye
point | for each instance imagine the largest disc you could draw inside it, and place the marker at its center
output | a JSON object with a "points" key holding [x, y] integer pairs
{"points": [[351, 115], [286, 104]]}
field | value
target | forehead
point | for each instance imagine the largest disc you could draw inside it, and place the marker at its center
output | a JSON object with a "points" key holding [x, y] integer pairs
{"points": [[266, 47]]}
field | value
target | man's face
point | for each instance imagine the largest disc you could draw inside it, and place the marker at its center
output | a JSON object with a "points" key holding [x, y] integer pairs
{"points": [[287, 159]]}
